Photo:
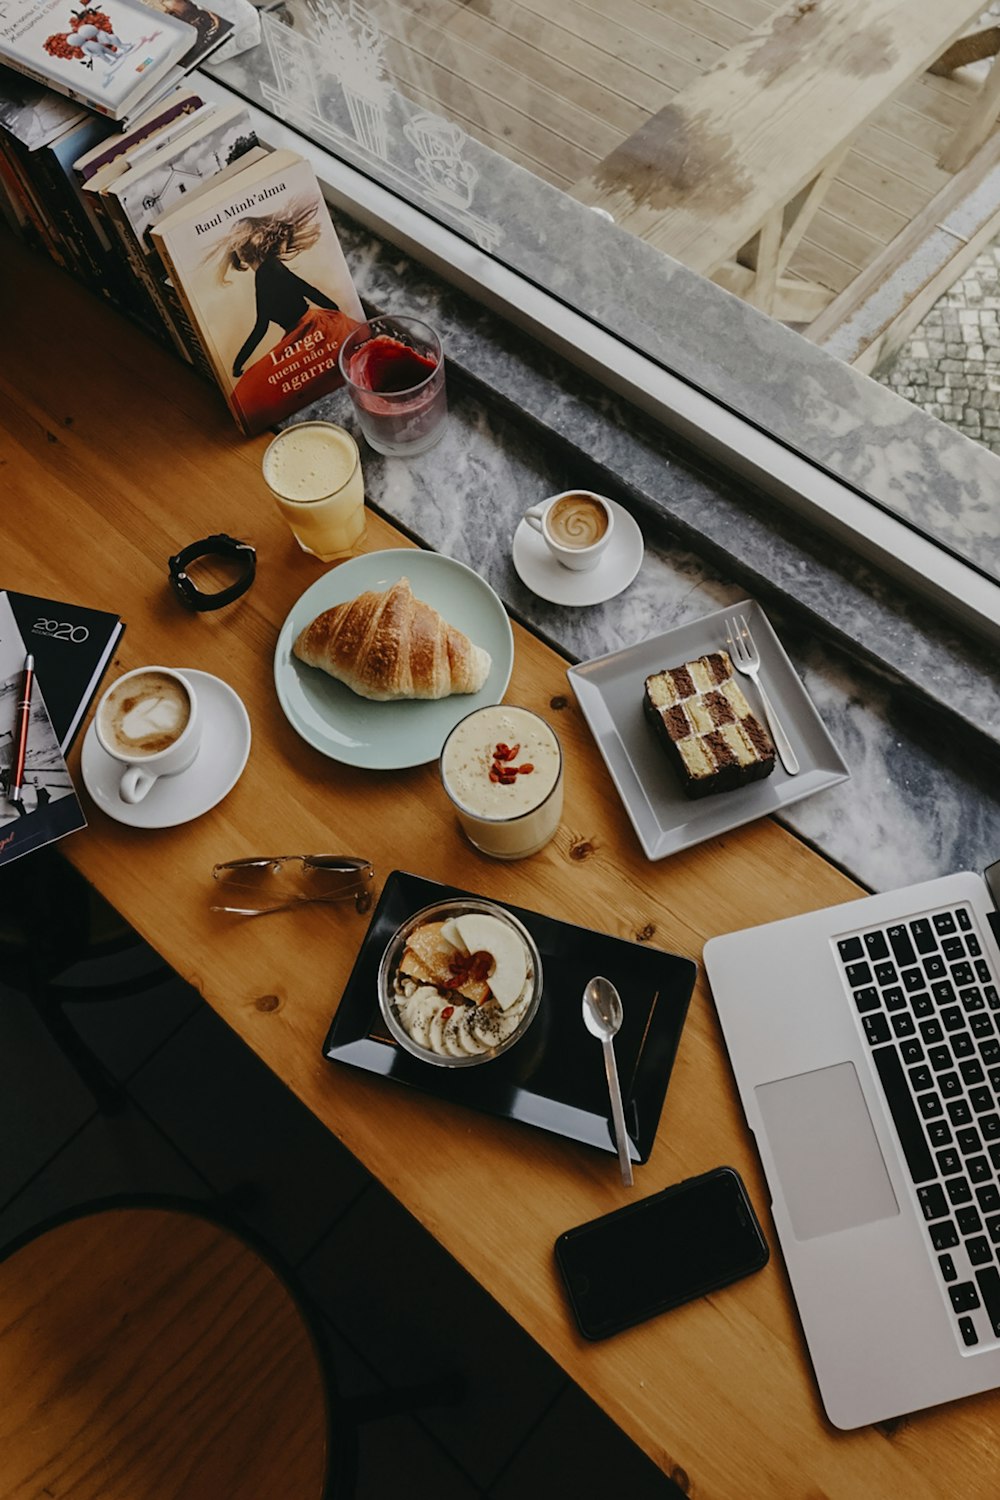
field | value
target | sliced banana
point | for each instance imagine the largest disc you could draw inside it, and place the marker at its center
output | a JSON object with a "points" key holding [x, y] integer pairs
{"points": [[451, 1029], [491, 1025], [452, 1034], [435, 1032], [417, 1013], [461, 1032], [517, 1010]]}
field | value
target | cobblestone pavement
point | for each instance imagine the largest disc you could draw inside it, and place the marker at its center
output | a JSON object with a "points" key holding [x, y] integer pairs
{"points": [[950, 364]]}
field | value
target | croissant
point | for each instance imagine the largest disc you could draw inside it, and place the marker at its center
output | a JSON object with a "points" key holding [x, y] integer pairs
{"points": [[391, 645]]}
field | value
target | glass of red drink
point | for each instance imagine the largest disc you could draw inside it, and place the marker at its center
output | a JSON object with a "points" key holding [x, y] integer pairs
{"points": [[393, 368]]}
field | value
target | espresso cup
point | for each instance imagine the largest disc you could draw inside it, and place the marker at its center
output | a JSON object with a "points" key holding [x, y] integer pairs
{"points": [[576, 527], [148, 721]]}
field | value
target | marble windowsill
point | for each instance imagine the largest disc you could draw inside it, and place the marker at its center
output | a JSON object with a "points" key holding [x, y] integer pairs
{"points": [[745, 536], [921, 801]]}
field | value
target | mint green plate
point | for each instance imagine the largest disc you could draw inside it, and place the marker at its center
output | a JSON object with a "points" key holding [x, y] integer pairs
{"points": [[405, 732]]}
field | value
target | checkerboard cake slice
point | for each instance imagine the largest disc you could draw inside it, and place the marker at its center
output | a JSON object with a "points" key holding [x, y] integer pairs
{"points": [[705, 724]]}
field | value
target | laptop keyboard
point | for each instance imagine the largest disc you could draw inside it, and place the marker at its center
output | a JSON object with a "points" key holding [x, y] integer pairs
{"points": [[929, 1005]]}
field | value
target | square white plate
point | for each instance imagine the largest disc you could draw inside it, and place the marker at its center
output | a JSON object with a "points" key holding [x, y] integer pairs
{"points": [[609, 690]]}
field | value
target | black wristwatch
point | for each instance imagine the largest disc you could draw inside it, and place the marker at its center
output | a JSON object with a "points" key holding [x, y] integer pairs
{"points": [[219, 545]]}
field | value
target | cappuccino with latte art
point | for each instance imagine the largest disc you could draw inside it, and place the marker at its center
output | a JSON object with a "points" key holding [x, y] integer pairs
{"points": [[144, 713], [576, 527], [148, 722], [576, 521]]}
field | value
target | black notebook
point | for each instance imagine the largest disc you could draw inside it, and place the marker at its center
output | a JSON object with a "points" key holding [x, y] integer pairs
{"points": [[72, 646], [48, 808]]}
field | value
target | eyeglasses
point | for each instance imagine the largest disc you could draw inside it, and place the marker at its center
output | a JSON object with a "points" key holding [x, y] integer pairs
{"points": [[277, 882]]}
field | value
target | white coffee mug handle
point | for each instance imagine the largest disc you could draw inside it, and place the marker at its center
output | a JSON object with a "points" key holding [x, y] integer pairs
{"points": [[534, 516], [135, 783]]}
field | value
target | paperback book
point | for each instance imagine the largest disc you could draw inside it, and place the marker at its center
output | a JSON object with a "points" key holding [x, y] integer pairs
{"points": [[211, 31], [96, 172], [41, 135], [258, 264], [49, 808], [33, 114], [109, 56], [159, 117], [155, 182]]}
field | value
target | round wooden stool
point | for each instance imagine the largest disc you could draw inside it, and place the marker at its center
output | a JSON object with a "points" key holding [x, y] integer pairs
{"points": [[151, 1354]]}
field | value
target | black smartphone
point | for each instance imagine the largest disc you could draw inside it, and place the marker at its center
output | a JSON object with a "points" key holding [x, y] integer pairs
{"points": [[676, 1245]]}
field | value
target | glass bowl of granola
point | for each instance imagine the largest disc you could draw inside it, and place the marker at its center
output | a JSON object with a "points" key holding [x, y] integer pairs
{"points": [[459, 983]]}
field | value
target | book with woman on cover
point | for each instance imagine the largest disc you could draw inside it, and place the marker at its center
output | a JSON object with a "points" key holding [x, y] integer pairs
{"points": [[111, 55], [259, 266]]}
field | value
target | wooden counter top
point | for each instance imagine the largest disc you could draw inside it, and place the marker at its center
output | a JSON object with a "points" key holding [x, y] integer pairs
{"points": [[113, 456]]}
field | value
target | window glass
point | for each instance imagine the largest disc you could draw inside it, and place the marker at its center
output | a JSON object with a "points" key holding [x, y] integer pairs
{"points": [[730, 186]]}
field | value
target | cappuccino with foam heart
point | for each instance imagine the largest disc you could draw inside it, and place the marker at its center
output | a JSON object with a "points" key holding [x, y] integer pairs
{"points": [[144, 714]]}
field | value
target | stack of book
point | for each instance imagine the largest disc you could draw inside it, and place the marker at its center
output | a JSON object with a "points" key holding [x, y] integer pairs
{"points": [[180, 218], [117, 56]]}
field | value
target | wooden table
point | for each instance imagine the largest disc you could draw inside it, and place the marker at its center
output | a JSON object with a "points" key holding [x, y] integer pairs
{"points": [[728, 175], [113, 456]]}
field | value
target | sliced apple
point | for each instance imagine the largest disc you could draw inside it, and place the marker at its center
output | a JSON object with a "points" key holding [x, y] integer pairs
{"points": [[451, 934], [485, 934]]}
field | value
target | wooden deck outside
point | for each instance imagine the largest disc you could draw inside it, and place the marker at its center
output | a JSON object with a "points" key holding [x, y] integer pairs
{"points": [[556, 85]]}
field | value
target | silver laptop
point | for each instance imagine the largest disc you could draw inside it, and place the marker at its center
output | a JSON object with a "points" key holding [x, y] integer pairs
{"points": [[865, 1040]]}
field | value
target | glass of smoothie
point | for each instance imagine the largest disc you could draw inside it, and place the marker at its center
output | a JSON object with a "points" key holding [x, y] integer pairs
{"points": [[393, 368], [313, 470], [502, 768]]}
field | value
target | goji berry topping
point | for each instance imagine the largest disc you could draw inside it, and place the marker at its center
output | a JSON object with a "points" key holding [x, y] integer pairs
{"points": [[502, 770], [475, 966]]}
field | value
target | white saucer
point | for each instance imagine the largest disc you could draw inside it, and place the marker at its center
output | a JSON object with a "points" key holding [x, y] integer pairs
{"points": [[224, 749], [538, 569]]}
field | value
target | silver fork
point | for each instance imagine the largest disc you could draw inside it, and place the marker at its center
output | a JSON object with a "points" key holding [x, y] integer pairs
{"points": [[746, 659]]}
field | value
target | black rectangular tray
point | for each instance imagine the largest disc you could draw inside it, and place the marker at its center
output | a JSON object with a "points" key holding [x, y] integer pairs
{"points": [[554, 1076]]}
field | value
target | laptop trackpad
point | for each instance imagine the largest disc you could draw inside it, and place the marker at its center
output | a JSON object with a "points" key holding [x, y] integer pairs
{"points": [[824, 1146]]}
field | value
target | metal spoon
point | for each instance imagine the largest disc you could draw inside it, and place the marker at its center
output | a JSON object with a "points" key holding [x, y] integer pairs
{"points": [[602, 1016]]}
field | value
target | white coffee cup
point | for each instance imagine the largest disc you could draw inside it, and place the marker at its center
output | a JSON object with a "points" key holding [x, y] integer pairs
{"points": [[576, 526], [148, 721]]}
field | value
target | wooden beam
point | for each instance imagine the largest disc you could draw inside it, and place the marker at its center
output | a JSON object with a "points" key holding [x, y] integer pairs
{"points": [[917, 293], [968, 49], [804, 215], [793, 302], [765, 281], [981, 119]]}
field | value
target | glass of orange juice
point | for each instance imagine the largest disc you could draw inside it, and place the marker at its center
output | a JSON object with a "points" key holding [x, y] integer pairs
{"points": [[313, 470]]}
